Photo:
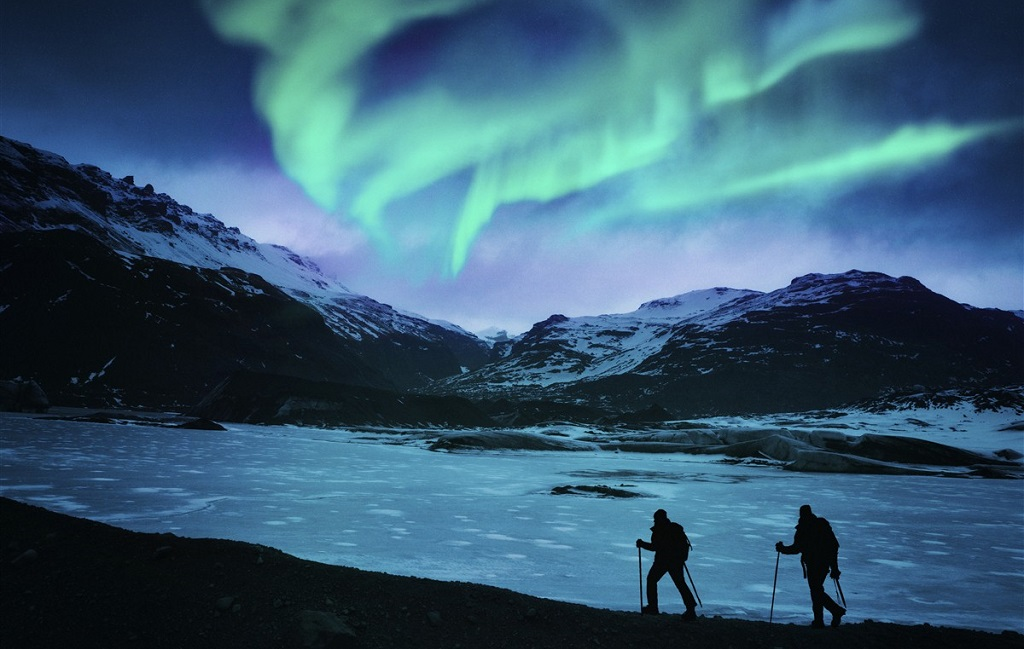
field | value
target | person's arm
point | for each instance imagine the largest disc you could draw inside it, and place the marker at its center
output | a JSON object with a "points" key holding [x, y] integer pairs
{"points": [[789, 549], [640, 543]]}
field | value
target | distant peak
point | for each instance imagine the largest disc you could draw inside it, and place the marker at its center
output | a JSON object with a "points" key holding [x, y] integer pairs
{"points": [[493, 336], [493, 333], [855, 277], [822, 288], [541, 328], [693, 297], [552, 320], [692, 304]]}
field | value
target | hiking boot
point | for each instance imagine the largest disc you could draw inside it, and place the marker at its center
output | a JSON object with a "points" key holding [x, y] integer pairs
{"points": [[818, 624], [649, 610], [690, 615], [837, 618]]}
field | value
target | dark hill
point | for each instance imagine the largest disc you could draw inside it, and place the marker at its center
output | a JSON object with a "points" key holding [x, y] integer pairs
{"points": [[113, 295], [823, 342], [94, 327], [259, 398]]}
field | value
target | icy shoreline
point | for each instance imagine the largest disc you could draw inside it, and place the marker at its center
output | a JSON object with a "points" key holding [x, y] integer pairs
{"points": [[383, 502]]}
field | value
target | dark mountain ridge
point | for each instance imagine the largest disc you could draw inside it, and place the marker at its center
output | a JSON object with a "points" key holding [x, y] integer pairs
{"points": [[97, 328], [115, 295], [112, 295], [854, 336], [821, 342]]}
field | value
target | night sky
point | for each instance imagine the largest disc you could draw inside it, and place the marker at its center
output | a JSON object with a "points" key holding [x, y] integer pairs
{"points": [[492, 163]]}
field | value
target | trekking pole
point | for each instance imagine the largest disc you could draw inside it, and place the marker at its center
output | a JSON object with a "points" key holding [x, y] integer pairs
{"points": [[839, 591], [695, 593], [640, 569], [771, 614]]}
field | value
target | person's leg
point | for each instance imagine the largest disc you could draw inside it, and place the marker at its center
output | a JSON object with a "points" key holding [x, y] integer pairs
{"points": [[831, 605], [656, 573], [816, 582], [679, 579]]}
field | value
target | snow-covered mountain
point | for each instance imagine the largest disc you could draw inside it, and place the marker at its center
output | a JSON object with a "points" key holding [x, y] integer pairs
{"points": [[822, 341], [493, 336], [117, 294], [113, 236], [566, 350]]}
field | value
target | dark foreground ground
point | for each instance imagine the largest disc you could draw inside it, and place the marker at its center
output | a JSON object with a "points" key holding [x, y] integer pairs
{"points": [[68, 582]]}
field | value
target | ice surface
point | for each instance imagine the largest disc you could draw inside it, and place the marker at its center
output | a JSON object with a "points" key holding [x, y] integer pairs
{"points": [[962, 426], [914, 549]]}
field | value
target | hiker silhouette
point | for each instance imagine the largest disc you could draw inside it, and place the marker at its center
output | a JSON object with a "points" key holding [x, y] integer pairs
{"points": [[671, 548], [818, 548]]}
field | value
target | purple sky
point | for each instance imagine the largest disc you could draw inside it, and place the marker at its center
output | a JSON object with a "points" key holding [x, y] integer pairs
{"points": [[493, 163]]}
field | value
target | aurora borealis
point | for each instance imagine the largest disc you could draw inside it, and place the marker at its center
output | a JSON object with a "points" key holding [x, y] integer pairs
{"points": [[463, 145], [536, 101]]}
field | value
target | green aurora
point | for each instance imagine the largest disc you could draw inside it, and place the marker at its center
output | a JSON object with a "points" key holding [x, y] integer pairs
{"points": [[668, 109]]}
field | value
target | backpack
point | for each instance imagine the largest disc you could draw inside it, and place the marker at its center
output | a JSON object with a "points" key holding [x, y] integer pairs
{"points": [[823, 545], [680, 542]]}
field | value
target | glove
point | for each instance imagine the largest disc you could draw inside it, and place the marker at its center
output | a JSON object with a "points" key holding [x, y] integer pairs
{"points": [[779, 545], [639, 543], [836, 573]]}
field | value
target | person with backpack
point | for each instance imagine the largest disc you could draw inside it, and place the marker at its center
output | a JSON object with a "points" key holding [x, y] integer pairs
{"points": [[671, 549], [818, 548]]}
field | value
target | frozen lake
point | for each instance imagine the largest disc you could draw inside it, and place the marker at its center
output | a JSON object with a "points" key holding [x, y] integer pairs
{"points": [[944, 551]]}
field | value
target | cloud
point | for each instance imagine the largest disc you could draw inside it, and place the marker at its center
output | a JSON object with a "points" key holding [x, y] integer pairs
{"points": [[663, 109]]}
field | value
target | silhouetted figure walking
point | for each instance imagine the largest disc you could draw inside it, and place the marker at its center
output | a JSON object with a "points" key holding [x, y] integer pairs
{"points": [[671, 549], [818, 548]]}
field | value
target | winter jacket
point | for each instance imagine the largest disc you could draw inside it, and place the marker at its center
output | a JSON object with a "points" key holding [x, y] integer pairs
{"points": [[669, 542], [815, 541]]}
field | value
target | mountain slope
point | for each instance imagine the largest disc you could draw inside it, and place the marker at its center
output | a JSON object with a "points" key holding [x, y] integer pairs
{"points": [[563, 350], [827, 340], [104, 282], [822, 341], [95, 327], [113, 294]]}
